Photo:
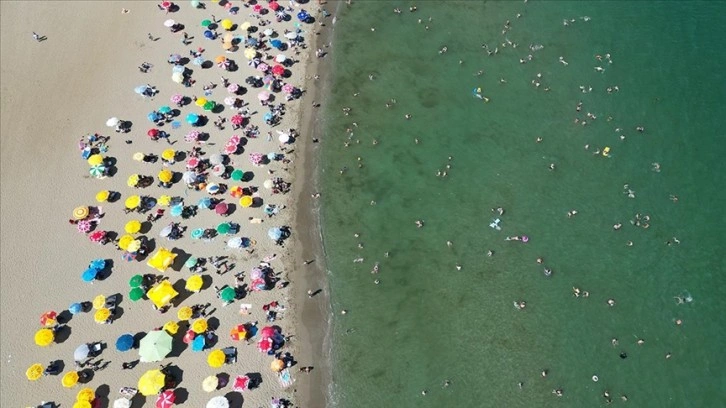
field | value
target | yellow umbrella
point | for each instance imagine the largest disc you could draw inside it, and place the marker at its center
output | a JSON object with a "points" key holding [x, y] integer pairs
{"points": [[245, 201], [134, 246], [161, 294], [164, 200], [219, 59], [277, 365], [133, 180], [245, 26], [199, 326], [138, 156], [86, 394], [171, 327], [151, 382], [133, 226], [102, 315], [34, 372], [102, 195], [132, 202], [226, 24], [216, 359], [124, 242], [80, 213], [194, 283], [82, 404], [227, 45], [250, 53], [168, 154], [165, 176], [201, 101], [70, 379], [161, 259], [44, 337], [99, 302], [95, 160], [228, 37], [210, 383], [185, 313]]}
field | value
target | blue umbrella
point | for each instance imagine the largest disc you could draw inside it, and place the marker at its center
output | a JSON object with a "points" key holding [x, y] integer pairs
{"points": [[97, 264], [178, 68], [192, 118], [198, 343], [205, 202], [268, 116], [128, 256], [276, 43], [89, 275], [303, 16], [154, 116], [274, 233], [141, 89], [271, 156], [177, 210], [251, 42], [75, 308], [209, 34], [197, 233], [198, 61], [125, 342], [164, 109]]}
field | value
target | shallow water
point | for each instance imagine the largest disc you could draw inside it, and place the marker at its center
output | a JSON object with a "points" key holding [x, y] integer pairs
{"points": [[426, 322]]}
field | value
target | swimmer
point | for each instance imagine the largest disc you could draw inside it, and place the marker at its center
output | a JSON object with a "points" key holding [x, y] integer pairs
{"points": [[544, 373], [458, 267], [373, 202], [424, 392], [376, 281], [490, 253], [407, 116], [655, 167], [419, 223], [547, 272], [585, 294], [415, 140], [611, 302], [571, 213], [375, 268], [558, 392], [668, 355], [538, 140], [446, 383], [540, 260], [679, 300], [624, 398], [679, 322], [629, 243], [640, 342], [673, 198], [520, 385], [576, 291], [552, 166], [617, 226], [614, 341]]}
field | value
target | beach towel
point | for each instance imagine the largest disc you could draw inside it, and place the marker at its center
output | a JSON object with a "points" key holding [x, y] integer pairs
{"points": [[286, 378]]}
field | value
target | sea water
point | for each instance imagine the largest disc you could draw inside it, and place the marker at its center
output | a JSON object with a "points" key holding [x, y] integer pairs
{"points": [[426, 320]]}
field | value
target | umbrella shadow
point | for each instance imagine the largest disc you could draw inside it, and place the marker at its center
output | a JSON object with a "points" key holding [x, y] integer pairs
{"points": [[102, 395], [257, 202], [231, 208], [62, 334], [235, 399], [64, 317], [137, 338], [184, 61], [138, 401], [85, 376], [213, 323], [60, 364], [106, 271], [145, 227], [180, 260], [207, 282], [255, 380], [223, 379], [218, 108], [175, 372], [207, 64], [178, 346], [248, 176], [183, 293], [181, 396]]}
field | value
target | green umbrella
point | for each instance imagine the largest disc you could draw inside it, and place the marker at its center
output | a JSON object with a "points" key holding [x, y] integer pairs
{"points": [[206, 23], [223, 228], [228, 294], [209, 105], [191, 262], [237, 175], [155, 346], [97, 171], [136, 281], [136, 294]]}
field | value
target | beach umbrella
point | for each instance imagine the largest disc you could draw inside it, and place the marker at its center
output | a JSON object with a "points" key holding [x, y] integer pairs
{"points": [[206, 23], [168, 154], [209, 34], [197, 233], [200, 102], [263, 96], [82, 404], [133, 180], [235, 242], [277, 365], [95, 160], [132, 227], [102, 196], [276, 43], [227, 294], [89, 275], [192, 118], [229, 101], [227, 45], [198, 61], [236, 191], [263, 67], [192, 162], [278, 70], [198, 343], [189, 177], [99, 302], [136, 294], [291, 35], [70, 379], [86, 395], [274, 233], [223, 228], [176, 211], [98, 263], [264, 345], [238, 332], [102, 315], [162, 294], [284, 138], [153, 132], [165, 109], [221, 209], [134, 245], [216, 159], [138, 156], [237, 119], [176, 98], [273, 6], [246, 201], [303, 16], [199, 326], [48, 318], [205, 202], [219, 401], [268, 184], [125, 241], [97, 236], [75, 308], [209, 105], [194, 283], [34, 372], [231, 148], [154, 116], [210, 383], [132, 202], [191, 262], [233, 88], [125, 342], [184, 313], [169, 23], [171, 327], [226, 24], [212, 188], [257, 8], [192, 136], [81, 352], [258, 285], [155, 346], [136, 281], [177, 77], [216, 359], [81, 212], [288, 89], [44, 337], [241, 383], [113, 122], [250, 53], [128, 256], [245, 26], [141, 89], [189, 336], [280, 58], [165, 176], [151, 382], [122, 403], [84, 226], [165, 399], [268, 331]]}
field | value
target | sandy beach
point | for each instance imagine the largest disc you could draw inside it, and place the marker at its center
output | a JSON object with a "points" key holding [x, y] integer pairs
{"points": [[56, 91]]}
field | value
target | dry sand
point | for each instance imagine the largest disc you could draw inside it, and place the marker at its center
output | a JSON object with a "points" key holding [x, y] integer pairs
{"points": [[56, 91]]}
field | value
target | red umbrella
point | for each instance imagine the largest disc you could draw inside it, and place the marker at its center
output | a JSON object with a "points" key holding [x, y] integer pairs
{"points": [[97, 236], [48, 319], [278, 70], [274, 6], [237, 119], [165, 399], [268, 331], [192, 162], [153, 132], [221, 208], [189, 336], [265, 345], [257, 8], [238, 332], [241, 383]]}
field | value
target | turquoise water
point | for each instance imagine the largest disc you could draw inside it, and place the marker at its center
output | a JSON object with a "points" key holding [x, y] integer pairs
{"points": [[426, 321]]}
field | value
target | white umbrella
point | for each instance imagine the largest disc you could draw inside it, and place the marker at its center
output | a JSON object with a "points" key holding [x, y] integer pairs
{"points": [[284, 138], [122, 403], [189, 177], [216, 159], [230, 100], [268, 184], [235, 242], [113, 122], [177, 77], [281, 58], [218, 169], [219, 401], [81, 352], [269, 31], [169, 23], [263, 96], [291, 35]]}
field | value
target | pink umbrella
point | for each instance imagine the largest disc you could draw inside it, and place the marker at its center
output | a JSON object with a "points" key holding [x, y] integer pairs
{"points": [[234, 139], [256, 273], [267, 331], [288, 89], [237, 119], [165, 5], [274, 6], [230, 100], [221, 208], [259, 284], [278, 69], [257, 8], [256, 158], [241, 383], [230, 148], [265, 345], [263, 67], [218, 169], [189, 336], [233, 88], [165, 399], [97, 236], [84, 226], [192, 162], [177, 98], [192, 136], [263, 96]]}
